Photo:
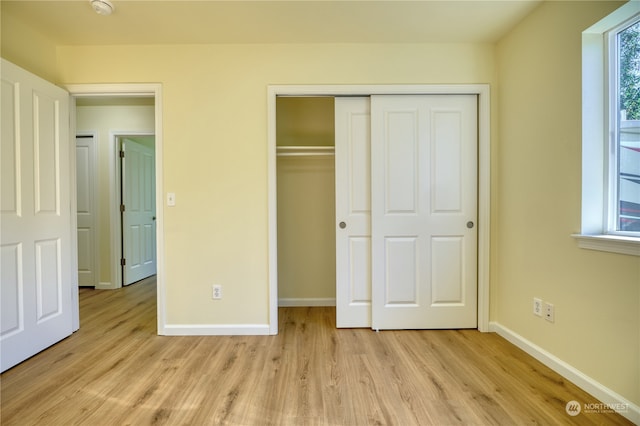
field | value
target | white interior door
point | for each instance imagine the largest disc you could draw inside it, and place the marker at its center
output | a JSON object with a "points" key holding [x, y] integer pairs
{"points": [[353, 211], [424, 211], [139, 215], [87, 211], [36, 230]]}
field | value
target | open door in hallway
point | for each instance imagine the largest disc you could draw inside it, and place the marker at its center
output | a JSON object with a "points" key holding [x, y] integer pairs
{"points": [[138, 211]]}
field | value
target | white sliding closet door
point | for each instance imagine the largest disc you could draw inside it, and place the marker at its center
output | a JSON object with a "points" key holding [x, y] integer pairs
{"points": [[353, 212], [406, 211], [424, 210]]}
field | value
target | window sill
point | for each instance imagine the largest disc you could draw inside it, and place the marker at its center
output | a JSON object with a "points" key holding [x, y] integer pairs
{"points": [[611, 243]]}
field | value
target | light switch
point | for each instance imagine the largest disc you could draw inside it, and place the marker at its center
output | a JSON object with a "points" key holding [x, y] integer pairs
{"points": [[171, 199]]}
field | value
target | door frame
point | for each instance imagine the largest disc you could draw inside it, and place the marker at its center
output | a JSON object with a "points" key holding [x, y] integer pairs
{"points": [[135, 90], [484, 173]]}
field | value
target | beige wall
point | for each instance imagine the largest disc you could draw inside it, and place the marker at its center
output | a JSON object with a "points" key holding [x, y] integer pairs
{"points": [[215, 146], [596, 294], [104, 120], [26, 47]]}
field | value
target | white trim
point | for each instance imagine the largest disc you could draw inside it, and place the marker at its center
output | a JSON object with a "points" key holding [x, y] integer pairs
{"points": [[272, 215], [484, 205], [593, 134], [484, 173], [586, 383], [140, 90], [318, 301], [109, 90], [611, 243], [114, 217], [216, 330], [73, 198], [104, 286]]}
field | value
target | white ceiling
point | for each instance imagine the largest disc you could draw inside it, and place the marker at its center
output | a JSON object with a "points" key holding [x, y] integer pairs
{"points": [[73, 22]]}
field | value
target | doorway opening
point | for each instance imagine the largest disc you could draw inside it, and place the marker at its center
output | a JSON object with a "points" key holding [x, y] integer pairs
{"points": [[132, 111], [306, 201]]}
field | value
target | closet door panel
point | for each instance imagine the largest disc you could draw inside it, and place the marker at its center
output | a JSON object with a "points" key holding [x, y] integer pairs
{"points": [[401, 265], [401, 164], [406, 208], [359, 162], [446, 161], [353, 212], [360, 271], [424, 210]]}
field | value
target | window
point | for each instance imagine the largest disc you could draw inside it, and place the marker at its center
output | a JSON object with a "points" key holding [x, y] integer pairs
{"points": [[624, 128], [611, 133]]}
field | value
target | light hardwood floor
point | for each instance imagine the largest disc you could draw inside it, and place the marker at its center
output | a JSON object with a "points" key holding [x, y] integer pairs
{"points": [[116, 371]]}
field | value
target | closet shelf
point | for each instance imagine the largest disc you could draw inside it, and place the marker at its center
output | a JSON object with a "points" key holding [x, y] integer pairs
{"points": [[304, 151]]}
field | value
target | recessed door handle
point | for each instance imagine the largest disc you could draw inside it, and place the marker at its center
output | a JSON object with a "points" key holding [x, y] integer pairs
{"points": [[342, 225]]}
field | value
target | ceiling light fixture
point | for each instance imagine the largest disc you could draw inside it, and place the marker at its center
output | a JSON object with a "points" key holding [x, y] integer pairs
{"points": [[102, 7]]}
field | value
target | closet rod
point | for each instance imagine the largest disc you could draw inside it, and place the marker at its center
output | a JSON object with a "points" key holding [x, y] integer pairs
{"points": [[299, 151]]}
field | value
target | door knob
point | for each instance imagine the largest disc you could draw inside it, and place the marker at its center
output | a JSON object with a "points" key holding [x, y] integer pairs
{"points": [[342, 225], [470, 224]]}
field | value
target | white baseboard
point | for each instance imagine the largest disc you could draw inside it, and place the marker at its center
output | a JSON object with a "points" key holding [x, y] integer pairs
{"points": [[216, 330], [586, 383], [104, 286], [327, 301]]}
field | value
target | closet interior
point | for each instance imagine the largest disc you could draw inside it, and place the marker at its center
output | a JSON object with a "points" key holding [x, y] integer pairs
{"points": [[306, 201]]}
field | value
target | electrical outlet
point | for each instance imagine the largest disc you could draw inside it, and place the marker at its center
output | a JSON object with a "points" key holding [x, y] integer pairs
{"points": [[549, 312], [537, 306], [217, 291]]}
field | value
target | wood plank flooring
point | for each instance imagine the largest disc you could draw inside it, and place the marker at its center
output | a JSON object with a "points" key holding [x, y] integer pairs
{"points": [[116, 371]]}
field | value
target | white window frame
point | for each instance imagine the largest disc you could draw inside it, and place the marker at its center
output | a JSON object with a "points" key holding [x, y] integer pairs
{"points": [[595, 230], [613, 128]]}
